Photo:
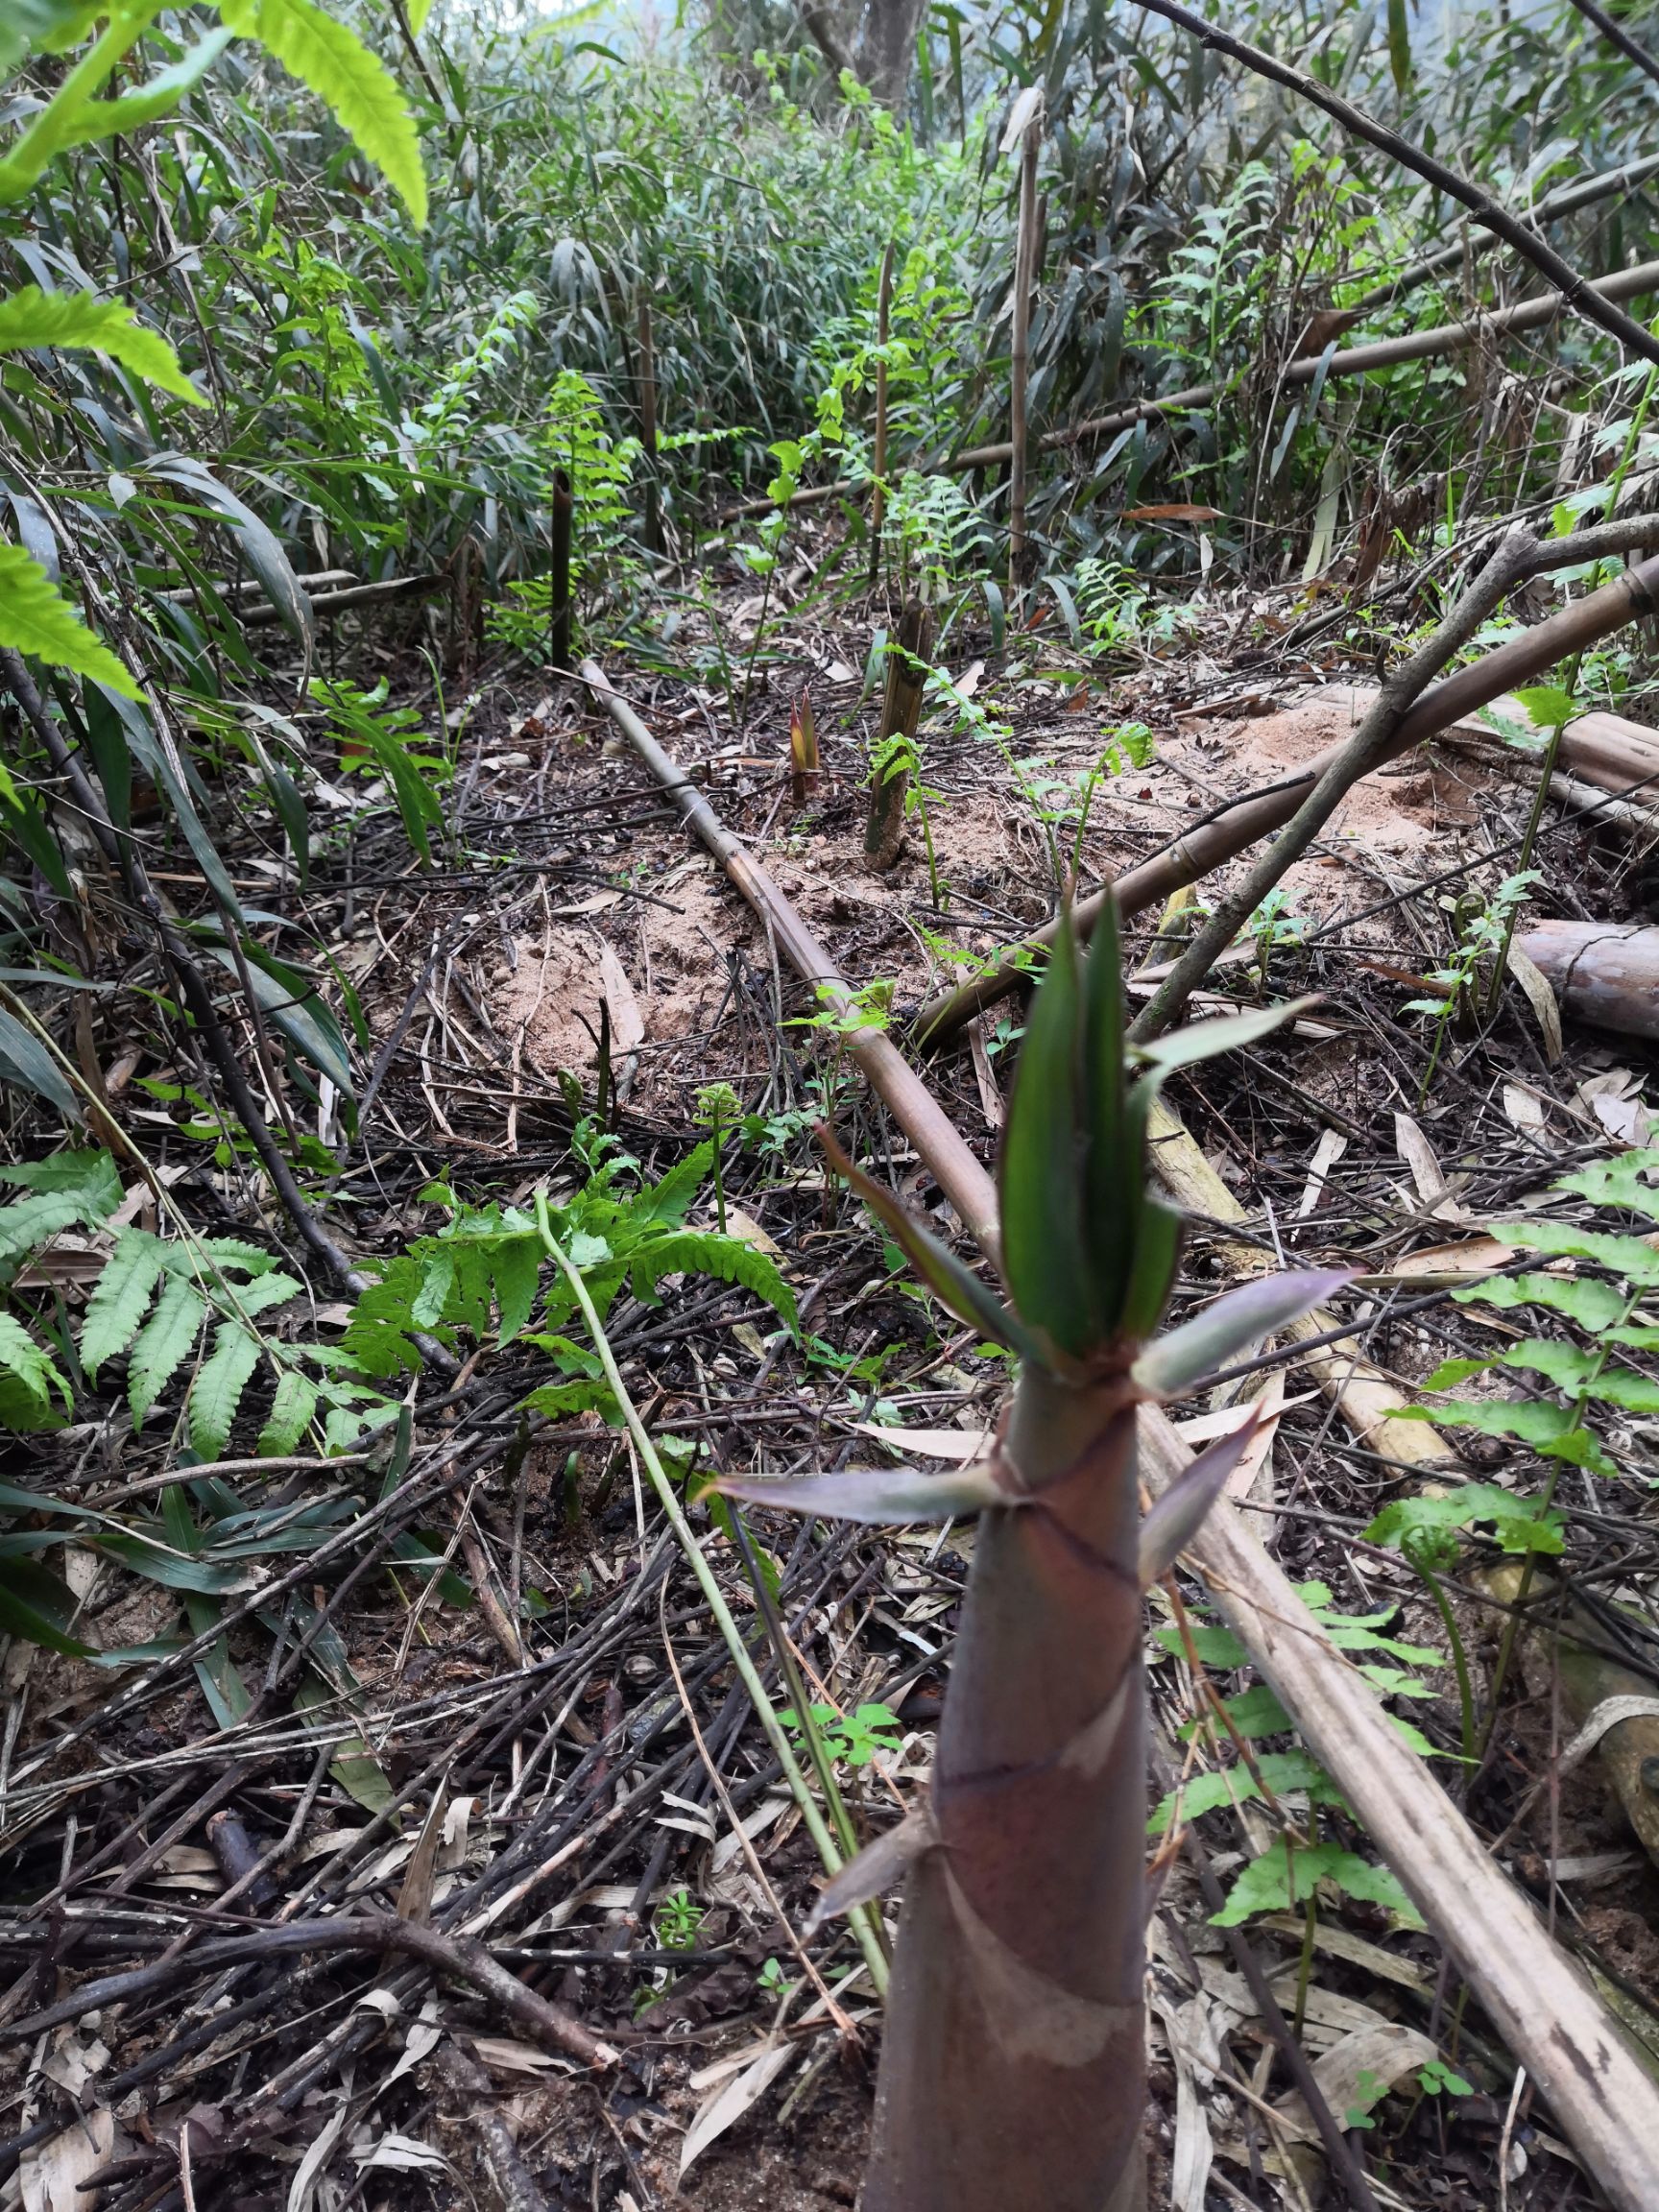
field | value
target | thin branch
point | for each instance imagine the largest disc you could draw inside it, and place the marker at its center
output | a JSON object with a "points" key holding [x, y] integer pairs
{"points": [[1616, 35], [1573, 288]]}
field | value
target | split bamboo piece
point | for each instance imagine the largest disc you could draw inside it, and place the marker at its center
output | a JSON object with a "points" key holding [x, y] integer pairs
{"points": [[1539, 1999]]}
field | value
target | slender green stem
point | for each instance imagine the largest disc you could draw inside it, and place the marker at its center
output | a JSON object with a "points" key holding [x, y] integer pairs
{"points": [[1459, 1656], [777, 1735], [720, 1181]]}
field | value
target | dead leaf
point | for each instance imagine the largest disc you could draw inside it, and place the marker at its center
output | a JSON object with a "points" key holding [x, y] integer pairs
{"points": [[1418, 1154], [53, 2173], [627, 1022], [415, 1897], [1327, 1153], [728, 2105], [1523, 1108], [748, 1231], [1375, 2057], [1172, 511], [1537, 987]]}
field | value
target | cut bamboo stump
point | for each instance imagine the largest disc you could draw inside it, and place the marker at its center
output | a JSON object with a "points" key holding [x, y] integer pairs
{"points": [[1544, 2006]]}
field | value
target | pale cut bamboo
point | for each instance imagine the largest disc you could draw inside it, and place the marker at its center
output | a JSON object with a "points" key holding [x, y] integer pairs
{"points": [[1545, 2009]]}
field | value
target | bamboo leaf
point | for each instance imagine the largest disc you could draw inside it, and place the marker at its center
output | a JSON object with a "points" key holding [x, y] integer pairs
{"points": [[1226, 1033], [32, 318], [956, 1286], [1177, 1516]]}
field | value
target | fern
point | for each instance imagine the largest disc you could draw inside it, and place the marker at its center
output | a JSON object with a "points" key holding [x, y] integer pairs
{"points": [[356, 86], [1577, 1381], [36, 617], [32, 318], [151, 1304], [728, 1258], [217, 1390], [30, 1380]]}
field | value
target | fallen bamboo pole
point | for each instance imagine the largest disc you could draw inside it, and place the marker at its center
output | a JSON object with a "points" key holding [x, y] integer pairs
{"points": [[1257, 815], [1540, 2002], [1350, 361]]}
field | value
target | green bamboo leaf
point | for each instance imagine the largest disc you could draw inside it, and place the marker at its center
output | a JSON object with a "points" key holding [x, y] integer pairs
{"points": [[1152, 1272], [1398, 46], [36, 1605], [1044, 1259], [23, 1058], [36, 617], [1176, 1362], [217, 1390], [359, 89], [32, 318], [121, 1297], [1226, 1033]]}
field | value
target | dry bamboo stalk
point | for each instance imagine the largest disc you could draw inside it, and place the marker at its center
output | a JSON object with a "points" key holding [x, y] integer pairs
{"points": [[648, 425], [878, 472], [1020, 351], [1540, 2001], [1603, 973], [1213, 843], [559, 609], [1545, 2009]]}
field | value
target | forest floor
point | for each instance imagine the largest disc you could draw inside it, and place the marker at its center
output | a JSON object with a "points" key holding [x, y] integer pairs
{"points": [[548, 1791]]}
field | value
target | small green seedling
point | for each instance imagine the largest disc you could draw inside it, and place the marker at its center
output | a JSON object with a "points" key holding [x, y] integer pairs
{"points": [[854, 1739], [678, 1917], [1436, 2079]]}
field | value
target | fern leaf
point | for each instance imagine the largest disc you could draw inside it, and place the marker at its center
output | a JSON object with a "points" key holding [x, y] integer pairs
{"points": [[163, 1343], [291, 1414], [667, 1203], [121, 1297], [358, 87], [90, 1174], [29, 1377], [218, 1387], [28, 1224], [32, 318], [560, 1400], [517, 1272], [36, 617], [700, 1252], [259, 1295], [377, 1339]]}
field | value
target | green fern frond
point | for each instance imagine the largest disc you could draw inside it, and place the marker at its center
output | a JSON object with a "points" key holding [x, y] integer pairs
{"points": [[667, 1203], [292, 1410], [336, 65], [121, 1297], [218, 1387], [66, 1189], [163, 1344], [561, 1399], [29, 1380], [728, 1258]]}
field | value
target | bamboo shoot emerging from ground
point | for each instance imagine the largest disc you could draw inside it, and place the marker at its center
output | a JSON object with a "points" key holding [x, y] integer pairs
{"points": [[1012, 2063]]}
